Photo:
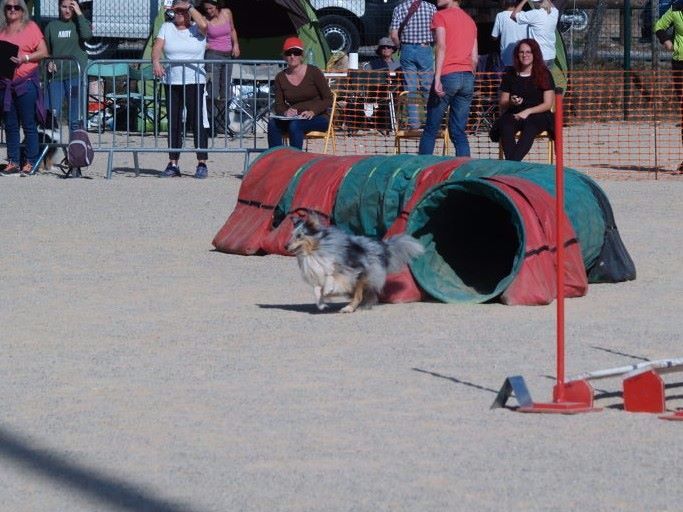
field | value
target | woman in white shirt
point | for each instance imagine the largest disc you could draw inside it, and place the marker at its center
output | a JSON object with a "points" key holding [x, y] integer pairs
{"points": [[182, 40], [542, 22]]}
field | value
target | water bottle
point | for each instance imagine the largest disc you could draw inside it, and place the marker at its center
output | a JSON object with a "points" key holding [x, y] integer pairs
{"points": [[310, 59]]}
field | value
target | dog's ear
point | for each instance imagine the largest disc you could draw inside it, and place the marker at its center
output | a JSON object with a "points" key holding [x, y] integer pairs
{"points": [[313, 221]]}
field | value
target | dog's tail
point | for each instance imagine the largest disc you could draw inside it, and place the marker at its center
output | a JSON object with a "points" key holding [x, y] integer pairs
{"points": [[401, 249]]}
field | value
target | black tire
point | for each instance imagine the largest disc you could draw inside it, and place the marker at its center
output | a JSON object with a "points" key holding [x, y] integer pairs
{"points": [[340, 32], [97, 47]]}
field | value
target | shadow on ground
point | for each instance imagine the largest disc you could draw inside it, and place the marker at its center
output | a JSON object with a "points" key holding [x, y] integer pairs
{"points": [[303, 308], [97, 485], [633, 168], [130, 171], [456, 380]]}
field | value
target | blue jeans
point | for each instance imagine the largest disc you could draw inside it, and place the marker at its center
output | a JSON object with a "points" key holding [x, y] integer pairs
{"points": [[57, 89], [417, 64], [458, 88], [295, 129], [23, 110]]}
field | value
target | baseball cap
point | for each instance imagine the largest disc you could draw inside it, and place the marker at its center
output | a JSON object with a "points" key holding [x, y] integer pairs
{"points": [[291, 43]]}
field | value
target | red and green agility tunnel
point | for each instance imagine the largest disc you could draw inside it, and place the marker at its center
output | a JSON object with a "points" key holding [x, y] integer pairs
{"points": [[488, 226]]}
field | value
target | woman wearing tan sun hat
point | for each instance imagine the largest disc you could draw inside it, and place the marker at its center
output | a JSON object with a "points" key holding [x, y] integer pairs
{"points": [[385, 52], [302, 98]]}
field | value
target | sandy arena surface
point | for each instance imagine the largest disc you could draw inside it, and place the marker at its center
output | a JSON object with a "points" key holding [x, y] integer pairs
{"points": [[142, 371]]}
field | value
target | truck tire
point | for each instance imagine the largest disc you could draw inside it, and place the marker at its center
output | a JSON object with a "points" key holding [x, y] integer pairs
{"points": [[97, 47], [340, 32]]}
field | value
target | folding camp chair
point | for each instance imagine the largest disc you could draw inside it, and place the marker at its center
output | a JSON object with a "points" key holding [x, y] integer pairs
{"points": [[327, 135], [100, 108]]}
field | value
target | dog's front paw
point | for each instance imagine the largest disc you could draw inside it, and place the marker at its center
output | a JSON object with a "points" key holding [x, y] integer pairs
{"points": [[347, 309]]}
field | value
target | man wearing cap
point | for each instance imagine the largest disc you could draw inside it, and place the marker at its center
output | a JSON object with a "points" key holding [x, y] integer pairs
{"points": [[457, 55], [302, 98], [410, 29]]}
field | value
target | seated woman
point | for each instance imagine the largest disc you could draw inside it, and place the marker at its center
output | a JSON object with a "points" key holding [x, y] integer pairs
{"points": [[384, 60], [527, 94], [302, 94]]}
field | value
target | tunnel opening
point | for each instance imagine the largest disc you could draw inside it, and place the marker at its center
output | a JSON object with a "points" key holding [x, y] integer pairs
{"points": [[474, 240]]}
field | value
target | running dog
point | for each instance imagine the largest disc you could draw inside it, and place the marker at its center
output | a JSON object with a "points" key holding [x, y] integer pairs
{"points": [[338, 264]]}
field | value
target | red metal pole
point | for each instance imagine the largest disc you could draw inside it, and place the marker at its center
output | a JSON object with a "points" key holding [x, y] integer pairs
{"points": [[577, 396], [559, 219]]}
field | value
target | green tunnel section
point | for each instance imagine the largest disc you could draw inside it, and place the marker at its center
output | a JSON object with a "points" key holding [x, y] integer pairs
{"points": [[374, 191], [474, 241]]}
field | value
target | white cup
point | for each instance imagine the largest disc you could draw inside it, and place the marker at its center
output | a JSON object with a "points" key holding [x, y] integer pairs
{"points": [[353, 61]]}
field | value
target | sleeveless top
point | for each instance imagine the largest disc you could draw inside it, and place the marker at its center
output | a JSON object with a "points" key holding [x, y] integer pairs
{"points": [[219, 37]]}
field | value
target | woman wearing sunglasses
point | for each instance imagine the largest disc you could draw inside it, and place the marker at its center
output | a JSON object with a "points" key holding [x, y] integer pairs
{"points": [[64, 38], [302, 98], [385, 56], [183, 39], [20, 91]]}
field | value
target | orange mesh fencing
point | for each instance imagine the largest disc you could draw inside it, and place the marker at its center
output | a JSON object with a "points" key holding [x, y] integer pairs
{"points": [[616, 121]]}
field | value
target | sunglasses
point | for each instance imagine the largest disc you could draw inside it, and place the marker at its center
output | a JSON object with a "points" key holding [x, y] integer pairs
{"points": [[11, 7], [386, 47], [294, 51]]}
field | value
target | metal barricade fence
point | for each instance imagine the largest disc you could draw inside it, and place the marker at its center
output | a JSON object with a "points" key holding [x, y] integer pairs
{"points": [[131, 110]]}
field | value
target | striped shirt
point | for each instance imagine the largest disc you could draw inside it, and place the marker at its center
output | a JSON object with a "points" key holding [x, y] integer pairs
{"points": [[418, 29]]}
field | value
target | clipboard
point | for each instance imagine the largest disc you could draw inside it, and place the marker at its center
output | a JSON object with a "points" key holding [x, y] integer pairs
{"points": [[286, 118], [7, 67]]}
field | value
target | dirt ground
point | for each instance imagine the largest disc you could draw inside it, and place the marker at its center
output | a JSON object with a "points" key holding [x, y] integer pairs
{"points": [[142, 371]]}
